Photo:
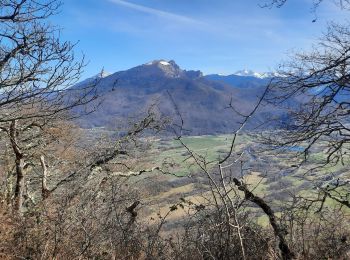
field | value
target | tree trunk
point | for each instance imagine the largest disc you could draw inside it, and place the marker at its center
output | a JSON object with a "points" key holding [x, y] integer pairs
{"points": [[19, 189], [9, 173], [287, 254], [45, 192]]}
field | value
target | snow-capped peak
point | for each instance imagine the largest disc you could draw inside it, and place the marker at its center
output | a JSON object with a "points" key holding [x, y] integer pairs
{"points": [[250, 73], [102, 74], [93, 79], [169, 68], [159, 62], [165, 63]]}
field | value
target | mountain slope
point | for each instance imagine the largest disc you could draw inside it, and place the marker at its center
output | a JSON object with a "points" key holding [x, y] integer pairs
{"points": [[239, 81], [201, 101]]}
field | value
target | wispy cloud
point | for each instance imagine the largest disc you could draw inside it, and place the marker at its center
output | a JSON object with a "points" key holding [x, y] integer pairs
{"points": [[156, 12]]}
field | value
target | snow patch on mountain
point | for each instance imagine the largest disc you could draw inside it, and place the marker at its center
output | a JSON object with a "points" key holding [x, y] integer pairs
{"points": [[158, 62], [165, 63], [94, 79], [102, 74], [251, 73], [169, 68]]}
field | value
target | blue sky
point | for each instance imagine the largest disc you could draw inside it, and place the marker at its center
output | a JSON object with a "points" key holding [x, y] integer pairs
{"points": [[214, 36]]}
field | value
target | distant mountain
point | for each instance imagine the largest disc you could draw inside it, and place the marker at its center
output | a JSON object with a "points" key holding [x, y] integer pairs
{"points": [[202, 100], [237, 81], [244, 78], [93, 79], [250, 73]]}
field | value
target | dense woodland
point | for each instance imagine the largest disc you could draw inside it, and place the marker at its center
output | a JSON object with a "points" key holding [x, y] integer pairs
{"points": [[65, 194]]}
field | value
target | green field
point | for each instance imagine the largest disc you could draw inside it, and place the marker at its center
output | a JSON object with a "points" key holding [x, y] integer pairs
{"points": [[210, 148], [272, 176]]}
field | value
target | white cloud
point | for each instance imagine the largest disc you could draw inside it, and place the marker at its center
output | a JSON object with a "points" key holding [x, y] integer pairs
{"points": [[156, 12]]}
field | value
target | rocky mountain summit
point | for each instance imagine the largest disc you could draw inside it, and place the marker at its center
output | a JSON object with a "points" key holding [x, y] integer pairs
{"points": [[168, 69]]}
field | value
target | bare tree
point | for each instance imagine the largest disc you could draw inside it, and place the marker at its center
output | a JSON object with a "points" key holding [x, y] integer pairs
{"points": [[225, 185], [37, 71], [36, 67], [315, 87], [343, 4]]}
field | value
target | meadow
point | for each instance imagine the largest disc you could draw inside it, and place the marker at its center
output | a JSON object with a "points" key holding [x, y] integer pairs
{"points": [[272, 174]]}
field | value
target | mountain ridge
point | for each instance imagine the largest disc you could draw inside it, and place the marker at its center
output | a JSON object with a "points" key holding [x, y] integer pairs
{"points": [[201, 100], [176, 71]]}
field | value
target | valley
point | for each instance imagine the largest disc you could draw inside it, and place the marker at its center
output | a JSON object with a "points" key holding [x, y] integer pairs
{"points": [[274, 174], [180, 130]]}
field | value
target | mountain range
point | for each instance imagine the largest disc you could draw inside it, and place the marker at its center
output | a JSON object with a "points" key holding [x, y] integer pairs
{"points": [[202, 101]]}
